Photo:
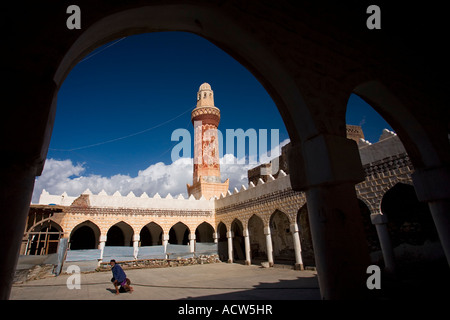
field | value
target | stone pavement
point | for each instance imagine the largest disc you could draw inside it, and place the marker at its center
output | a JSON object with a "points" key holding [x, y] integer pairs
{"points": [[206, 282]]}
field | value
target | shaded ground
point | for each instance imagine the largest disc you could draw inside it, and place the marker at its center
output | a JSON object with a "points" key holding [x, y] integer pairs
{"points": [[414, 281]]}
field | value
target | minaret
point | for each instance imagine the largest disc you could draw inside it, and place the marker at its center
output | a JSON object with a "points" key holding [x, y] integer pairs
{"points": [[205, 118]]}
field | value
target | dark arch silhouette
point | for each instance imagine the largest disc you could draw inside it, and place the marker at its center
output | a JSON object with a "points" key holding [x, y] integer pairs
{"points": [[204, 233], [83, 238], [409, 219], [151, 234]]}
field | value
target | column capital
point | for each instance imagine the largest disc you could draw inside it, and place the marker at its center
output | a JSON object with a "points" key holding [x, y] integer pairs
{"points": [[136, 237], [192, 236], [230, 234], [378, 218], [102, 238], [324, 160], [294, 227], [267, 231]]}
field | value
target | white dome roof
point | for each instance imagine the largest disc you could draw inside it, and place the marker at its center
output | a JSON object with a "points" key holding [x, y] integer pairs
{"points": [[205, 86]]}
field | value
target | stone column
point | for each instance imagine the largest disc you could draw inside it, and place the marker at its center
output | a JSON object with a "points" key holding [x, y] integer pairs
{"points": [[216, 237], [230, 236], [327, 167], [380, 222], [165, 241], [432, 186], [339, 241], [192, 242], [269, 246], [440, 210], [248, 259], [297, 247], [16, 189], [136, 239], [101, 246]]}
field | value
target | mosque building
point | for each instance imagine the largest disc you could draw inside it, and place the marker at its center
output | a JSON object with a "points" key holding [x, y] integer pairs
{"points": [[264, 221]]}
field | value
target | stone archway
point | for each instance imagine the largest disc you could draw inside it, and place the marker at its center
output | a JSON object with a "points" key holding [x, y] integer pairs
{"points": [[414, 240], [278, 52], [204, 233], [258, 247], [84, 236], [120, 235], [409, 221], [229, 31], [43, 238], [417, 140], [151, 235], [237, 230], [282, 241], [222, 242], [427, 147], [179, 234]]}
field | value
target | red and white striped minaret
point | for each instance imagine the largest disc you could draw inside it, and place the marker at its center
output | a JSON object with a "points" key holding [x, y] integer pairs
{"points": [[205, 118]]}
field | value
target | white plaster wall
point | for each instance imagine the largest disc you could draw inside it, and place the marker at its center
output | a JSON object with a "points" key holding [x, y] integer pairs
{"points": [[388, 145], [281, 183], [103, 200], [63, 200]]}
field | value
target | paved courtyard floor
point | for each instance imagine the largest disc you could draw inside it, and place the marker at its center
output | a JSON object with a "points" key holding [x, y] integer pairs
{"points": [[206, 282]]}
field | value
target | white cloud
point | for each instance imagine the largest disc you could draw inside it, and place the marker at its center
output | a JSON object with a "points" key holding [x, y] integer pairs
{"points": [[61, 176]]}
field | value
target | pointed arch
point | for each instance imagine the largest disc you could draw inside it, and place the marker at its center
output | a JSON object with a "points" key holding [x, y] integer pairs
{"points": [[282, 241], [84, 235], [222, 242], [409, 220], [258, 247], [179, 233], [43, 237], [237, 229], [151, 234], [204, 232], [120, 234], [425, 150]]}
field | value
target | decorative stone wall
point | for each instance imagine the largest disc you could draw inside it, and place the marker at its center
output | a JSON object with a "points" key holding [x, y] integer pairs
{"points": [[103, 211], [276, 208], [381, 176], [262, 200], [105, 218]]}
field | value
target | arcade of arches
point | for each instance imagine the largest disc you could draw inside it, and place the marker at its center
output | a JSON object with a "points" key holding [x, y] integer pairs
{"points": [[309, 61], [266, 222]]}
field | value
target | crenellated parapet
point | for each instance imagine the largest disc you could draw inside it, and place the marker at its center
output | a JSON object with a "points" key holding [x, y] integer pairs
{"points": [[252, 191], [130, 201]]}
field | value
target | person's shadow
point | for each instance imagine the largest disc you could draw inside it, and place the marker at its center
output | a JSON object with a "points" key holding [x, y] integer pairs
{"points": [[121, 290]]}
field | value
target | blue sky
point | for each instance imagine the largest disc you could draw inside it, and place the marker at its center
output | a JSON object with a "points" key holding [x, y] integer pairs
{"points": [[111, 100]]}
